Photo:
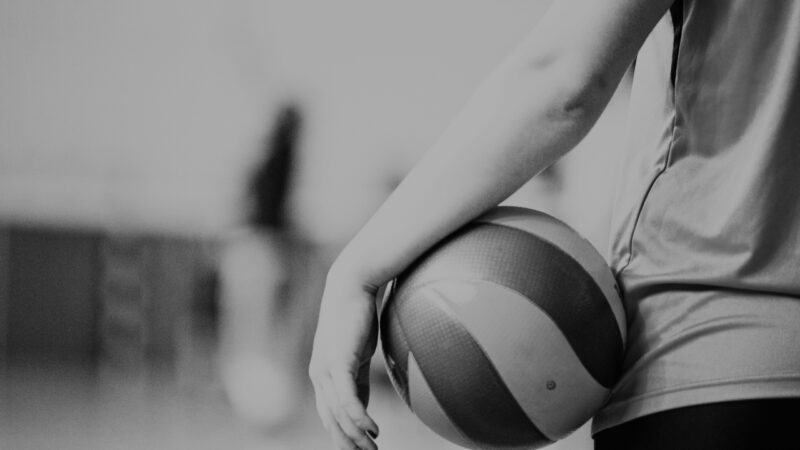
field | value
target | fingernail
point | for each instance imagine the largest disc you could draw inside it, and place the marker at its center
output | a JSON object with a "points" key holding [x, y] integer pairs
{"points": [[372, 434]]}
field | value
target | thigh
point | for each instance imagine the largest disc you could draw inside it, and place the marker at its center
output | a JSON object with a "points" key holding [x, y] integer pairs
{"points": [[749, 424]]}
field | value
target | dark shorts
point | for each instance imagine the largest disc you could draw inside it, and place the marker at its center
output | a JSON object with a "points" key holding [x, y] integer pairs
{"points": [[751, 424]]}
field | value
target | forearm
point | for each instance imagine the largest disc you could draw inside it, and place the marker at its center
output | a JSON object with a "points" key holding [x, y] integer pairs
{"points": [[519, 122], [535, 107]]}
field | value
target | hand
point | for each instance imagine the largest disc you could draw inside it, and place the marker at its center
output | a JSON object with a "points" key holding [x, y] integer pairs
{"points": [[345, 340]]}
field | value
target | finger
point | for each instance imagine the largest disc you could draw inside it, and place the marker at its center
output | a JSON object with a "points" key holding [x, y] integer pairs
{"points": [[340, 440], [351, 403], [339, 409], [322, 409]]}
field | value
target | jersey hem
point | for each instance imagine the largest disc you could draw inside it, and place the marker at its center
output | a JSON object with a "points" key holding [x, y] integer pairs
{"points": [[787, 386]]}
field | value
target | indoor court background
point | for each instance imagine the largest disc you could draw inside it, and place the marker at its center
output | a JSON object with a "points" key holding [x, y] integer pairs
{"points": [[128, 132]]}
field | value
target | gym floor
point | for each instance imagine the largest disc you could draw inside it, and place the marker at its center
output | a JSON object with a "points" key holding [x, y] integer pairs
{"points": [[66, 406]]}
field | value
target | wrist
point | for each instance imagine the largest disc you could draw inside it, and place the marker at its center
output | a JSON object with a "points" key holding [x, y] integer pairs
{"points": [[347, 272]]}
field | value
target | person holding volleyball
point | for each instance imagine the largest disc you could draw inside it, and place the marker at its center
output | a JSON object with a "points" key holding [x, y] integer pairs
{"points": [[706, 225]]}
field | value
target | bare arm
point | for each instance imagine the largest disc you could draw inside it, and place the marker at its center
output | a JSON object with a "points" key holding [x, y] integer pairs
{"points": [[534, 108]]}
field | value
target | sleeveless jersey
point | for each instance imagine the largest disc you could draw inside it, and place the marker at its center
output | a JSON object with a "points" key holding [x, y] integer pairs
{"points": [[706, 227]]}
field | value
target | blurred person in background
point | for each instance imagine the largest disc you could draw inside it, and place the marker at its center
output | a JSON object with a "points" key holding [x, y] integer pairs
{"points": [[267, 307], [706, 234]]}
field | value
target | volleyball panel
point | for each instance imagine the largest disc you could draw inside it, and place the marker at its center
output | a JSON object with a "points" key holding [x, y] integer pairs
{"points": [[460, 375], [541, 272], [571, 242], [425, 405], [529, 352]]}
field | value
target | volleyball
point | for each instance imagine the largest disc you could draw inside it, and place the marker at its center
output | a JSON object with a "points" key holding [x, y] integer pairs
{"points": [[507, 334]]}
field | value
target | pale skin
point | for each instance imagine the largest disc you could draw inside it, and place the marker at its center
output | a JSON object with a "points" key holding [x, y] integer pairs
{"points": [[534, 108]]}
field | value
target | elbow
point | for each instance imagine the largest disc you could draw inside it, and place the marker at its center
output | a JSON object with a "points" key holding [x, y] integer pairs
{"points": [[578, 96], [570, 89], [583, 97]]}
